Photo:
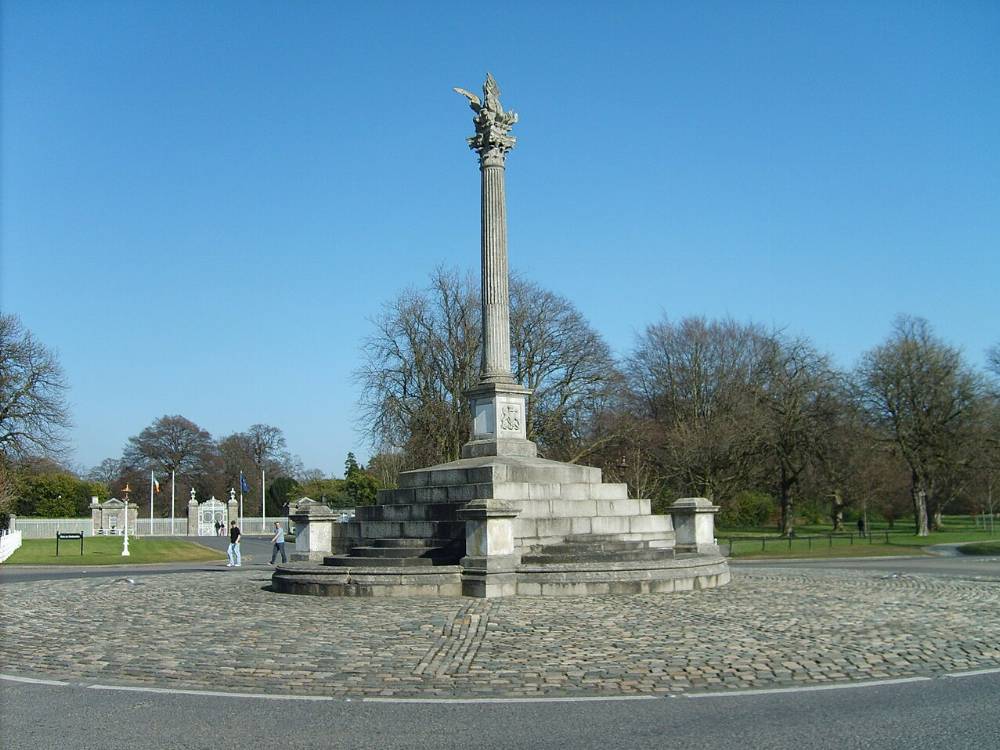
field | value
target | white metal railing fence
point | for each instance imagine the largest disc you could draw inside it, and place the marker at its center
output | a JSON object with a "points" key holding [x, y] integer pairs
{"points": [[158, 527], [46, 528], [256, 526], [9, 542]]}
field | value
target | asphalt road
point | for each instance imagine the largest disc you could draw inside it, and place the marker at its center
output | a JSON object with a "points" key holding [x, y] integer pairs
{"points": [[952, 713], [961, 566]]}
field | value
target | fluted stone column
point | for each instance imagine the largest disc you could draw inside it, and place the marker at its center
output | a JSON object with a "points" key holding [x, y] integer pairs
{"points": [[497, 402], [495, 367]]}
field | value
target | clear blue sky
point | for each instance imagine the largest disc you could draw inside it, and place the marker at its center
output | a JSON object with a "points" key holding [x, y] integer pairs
{"points": [[205, 203]]}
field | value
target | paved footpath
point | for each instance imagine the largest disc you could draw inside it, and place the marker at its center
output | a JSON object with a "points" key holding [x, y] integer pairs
{"points": [[773, 626]]}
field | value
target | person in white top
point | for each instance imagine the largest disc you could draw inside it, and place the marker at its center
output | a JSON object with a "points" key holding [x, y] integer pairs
{"points": [[279, 543]]}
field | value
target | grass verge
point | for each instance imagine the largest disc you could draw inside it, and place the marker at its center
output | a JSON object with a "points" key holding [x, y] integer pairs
{"points": [[753, 545], [980, 548], [101, 550]]}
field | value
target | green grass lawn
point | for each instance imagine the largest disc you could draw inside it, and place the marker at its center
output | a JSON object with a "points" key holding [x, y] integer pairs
{"points": [[767, 543], [980, 548], [101, 550]]}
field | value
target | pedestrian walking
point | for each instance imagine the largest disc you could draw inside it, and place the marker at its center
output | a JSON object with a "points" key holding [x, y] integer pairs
{"points": [[279, 543], [234, 546], [861, 525]]}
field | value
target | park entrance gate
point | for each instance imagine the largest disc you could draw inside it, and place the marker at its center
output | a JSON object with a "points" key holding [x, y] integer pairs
{"points": [[211, 512]]}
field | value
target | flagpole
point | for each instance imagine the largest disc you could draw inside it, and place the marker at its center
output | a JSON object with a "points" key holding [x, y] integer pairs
{"points": [[152, 480], [241, 501], [263, 515], [171, 503]]}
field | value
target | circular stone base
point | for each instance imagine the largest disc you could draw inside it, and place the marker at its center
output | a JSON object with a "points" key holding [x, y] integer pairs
{"points": [[682, 573]]}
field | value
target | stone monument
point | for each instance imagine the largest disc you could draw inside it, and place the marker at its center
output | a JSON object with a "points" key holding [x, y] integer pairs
{"points": [[500, 520]]}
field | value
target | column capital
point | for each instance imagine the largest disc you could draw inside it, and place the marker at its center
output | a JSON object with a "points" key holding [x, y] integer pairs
{"points": [[492, 140]]}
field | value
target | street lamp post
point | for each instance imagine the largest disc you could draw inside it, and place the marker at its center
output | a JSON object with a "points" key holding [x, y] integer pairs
{"points": [[125, 552]]}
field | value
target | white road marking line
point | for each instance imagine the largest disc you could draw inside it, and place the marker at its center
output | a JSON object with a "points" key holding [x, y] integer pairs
{"points": [[568, 699], [210, 693], [805, 688], [973, 672], [32, 681], [736, 693]]}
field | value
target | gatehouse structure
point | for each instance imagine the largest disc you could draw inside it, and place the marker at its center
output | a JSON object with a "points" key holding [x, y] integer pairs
{"points": [[501, 521]]}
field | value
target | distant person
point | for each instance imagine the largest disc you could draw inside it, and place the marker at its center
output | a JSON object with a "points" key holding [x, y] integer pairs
{"points": [[218, 527], [234, 546], [861, 525], [279, 543]]}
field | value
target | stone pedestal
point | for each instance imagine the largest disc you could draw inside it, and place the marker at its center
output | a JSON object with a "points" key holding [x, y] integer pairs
{"points": [[313, 530], [95, 515], [488, 568], [192, 517], [232, 513], [499, 414], [694, 524]]}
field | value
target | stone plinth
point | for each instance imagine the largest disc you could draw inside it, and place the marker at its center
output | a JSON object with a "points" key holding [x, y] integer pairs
{"points": [[313, 530], [192, 517], [694, 524], [488, 568], [499, 413]]}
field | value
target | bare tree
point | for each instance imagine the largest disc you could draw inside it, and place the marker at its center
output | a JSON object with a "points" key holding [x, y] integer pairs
{"points": [[267, 447], [698, 383], [33, 411], [260, 448], [801, 402], [7, 492], [921, 393], [425, 354], [567, 365], [172, 444], [385, 465], [107, 472]]}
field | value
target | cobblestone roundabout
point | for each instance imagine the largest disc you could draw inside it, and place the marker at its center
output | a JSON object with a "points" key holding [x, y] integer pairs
{"points": [[224, 631]]}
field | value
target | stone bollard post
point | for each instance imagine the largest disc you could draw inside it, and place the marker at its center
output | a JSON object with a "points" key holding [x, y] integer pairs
{"points": [[192, 528], [488, 568], [313, 530], [232, 514], [694, 524]]}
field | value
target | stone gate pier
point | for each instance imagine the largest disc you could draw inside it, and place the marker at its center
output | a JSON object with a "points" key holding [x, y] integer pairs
{"points": [[501, 521]]}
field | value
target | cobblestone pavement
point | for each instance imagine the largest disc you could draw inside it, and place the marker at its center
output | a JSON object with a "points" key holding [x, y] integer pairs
{"points": [[768, 628]]}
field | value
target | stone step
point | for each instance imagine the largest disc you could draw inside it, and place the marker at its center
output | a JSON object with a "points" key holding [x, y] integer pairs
{"points": [[572, 525], [581, 508], [394, 543], [349, 561], [597, 546], [410, 512], [595, 538], [444, 477], [371, 530], [583, 554], [396, 552], [554, 491], [457, 493], [477, 471]]}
